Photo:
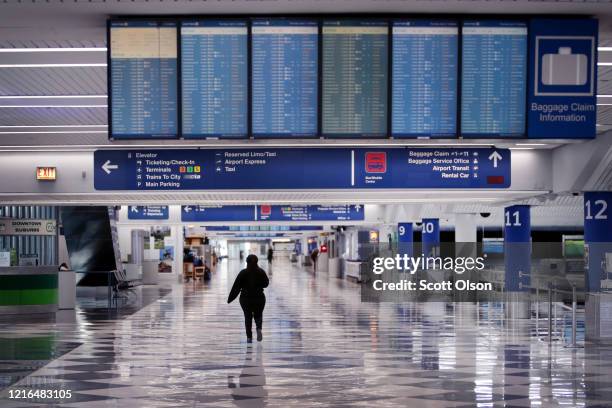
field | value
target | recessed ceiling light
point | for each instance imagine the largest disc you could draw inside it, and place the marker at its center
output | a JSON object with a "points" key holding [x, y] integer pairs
{"points": [[54, 132]]}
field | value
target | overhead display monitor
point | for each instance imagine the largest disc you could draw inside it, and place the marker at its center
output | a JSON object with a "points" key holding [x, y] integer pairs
{"points": [[494, 79], [143, 80], [354, 71], [424, 84], [214, 79], [284, 65]]}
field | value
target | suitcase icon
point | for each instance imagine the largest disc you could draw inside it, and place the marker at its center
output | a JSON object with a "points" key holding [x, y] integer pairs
{"points": [[564, 68]]}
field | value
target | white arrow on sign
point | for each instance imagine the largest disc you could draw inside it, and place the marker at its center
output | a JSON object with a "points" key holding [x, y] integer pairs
{"points": [[357, 208], [187, 209], [134, 208], [107, 167], [495, 157]]}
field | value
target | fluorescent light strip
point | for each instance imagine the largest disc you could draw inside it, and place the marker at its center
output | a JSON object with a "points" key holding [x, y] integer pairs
{"points": [[76, 49], [41, 132], [50, 126], [604, 64], [604, 48], [51, 65], [532, 144], [53, 96], [53, 106]]}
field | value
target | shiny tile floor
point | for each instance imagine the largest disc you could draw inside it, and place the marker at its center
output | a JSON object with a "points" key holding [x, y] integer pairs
{"points": [[322, 347]]}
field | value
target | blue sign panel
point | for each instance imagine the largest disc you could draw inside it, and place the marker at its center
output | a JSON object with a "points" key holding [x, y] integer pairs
{"points": [[405, 238], [562, 78], [286, 228], [143, 80], [310, 213], [214, 76], [290, 169], [430, 236], [424, 86], [148, 212], [494, 79], [597, 236], [517, 248], [284, 77], [198, 213], [355, 78]]}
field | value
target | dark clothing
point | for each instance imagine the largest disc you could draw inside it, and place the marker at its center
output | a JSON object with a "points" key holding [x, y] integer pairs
{"points": [[250, 285], [253, 308], [270, 255]]}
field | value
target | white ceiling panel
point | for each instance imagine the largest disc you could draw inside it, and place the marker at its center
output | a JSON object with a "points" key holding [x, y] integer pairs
{"points": [[52, 116], [53, 81]]}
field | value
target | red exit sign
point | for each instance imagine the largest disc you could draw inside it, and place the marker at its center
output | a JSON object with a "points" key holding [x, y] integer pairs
{"points": [[46, 173]]}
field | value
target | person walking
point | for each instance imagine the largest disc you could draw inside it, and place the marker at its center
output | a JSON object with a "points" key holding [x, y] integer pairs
{"points": [[270, 255], [313, 257], [250, 284]]}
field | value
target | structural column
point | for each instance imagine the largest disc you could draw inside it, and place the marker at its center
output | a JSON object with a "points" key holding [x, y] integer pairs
{"points": [[431, 236], [466, 229], [517, 259], [405, 239], [598, 252]]}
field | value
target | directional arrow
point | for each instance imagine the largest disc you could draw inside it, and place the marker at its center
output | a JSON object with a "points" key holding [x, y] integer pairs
{"points": [[187, 209], [134, 208], [107, 167], [495, 156], [357, 207]]}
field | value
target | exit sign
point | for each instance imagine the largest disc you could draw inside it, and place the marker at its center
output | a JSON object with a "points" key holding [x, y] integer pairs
{"points": [[46, 173]]}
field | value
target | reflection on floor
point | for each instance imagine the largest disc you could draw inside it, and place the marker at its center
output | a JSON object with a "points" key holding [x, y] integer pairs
{"points": [[321, 346], [28, 343]]}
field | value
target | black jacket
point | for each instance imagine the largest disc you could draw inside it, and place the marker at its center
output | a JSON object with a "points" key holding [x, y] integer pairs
{"points": [[249, 284]]}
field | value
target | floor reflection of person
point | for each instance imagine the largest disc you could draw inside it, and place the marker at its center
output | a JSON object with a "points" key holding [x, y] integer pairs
{"points": [[250, 284], [249, 390]]}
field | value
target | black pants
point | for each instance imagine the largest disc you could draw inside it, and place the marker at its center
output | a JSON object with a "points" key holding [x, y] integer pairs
{"points": [[253, 308]]}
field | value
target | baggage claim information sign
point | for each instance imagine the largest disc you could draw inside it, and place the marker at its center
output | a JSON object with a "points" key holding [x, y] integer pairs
{"points": [[302, 168], [562, 79]]}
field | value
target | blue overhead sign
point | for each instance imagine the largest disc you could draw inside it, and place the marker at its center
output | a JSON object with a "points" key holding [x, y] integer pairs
{"points": [[197, 213], [310, 213], [200, 213], [148, 212], [301, 168], [562, 78]]}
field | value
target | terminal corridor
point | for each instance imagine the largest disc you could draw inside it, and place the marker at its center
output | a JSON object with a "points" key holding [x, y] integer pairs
{"points": [[321, 346]]}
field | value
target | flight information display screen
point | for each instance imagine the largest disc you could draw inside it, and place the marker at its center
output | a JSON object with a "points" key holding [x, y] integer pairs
{"points": [[494, 79], [284, 78], [424, 71], [143, 80], [214, 78], [354, 71]]}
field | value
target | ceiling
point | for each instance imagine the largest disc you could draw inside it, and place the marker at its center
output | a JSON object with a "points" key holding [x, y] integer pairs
{"points": [[42, 104]]}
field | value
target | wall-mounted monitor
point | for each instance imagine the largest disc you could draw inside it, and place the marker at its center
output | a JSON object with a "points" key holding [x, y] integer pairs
{"points": [[284, 73], [494, 79], [355, 78], [214, 79], [143, 80], [425, 57]]}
